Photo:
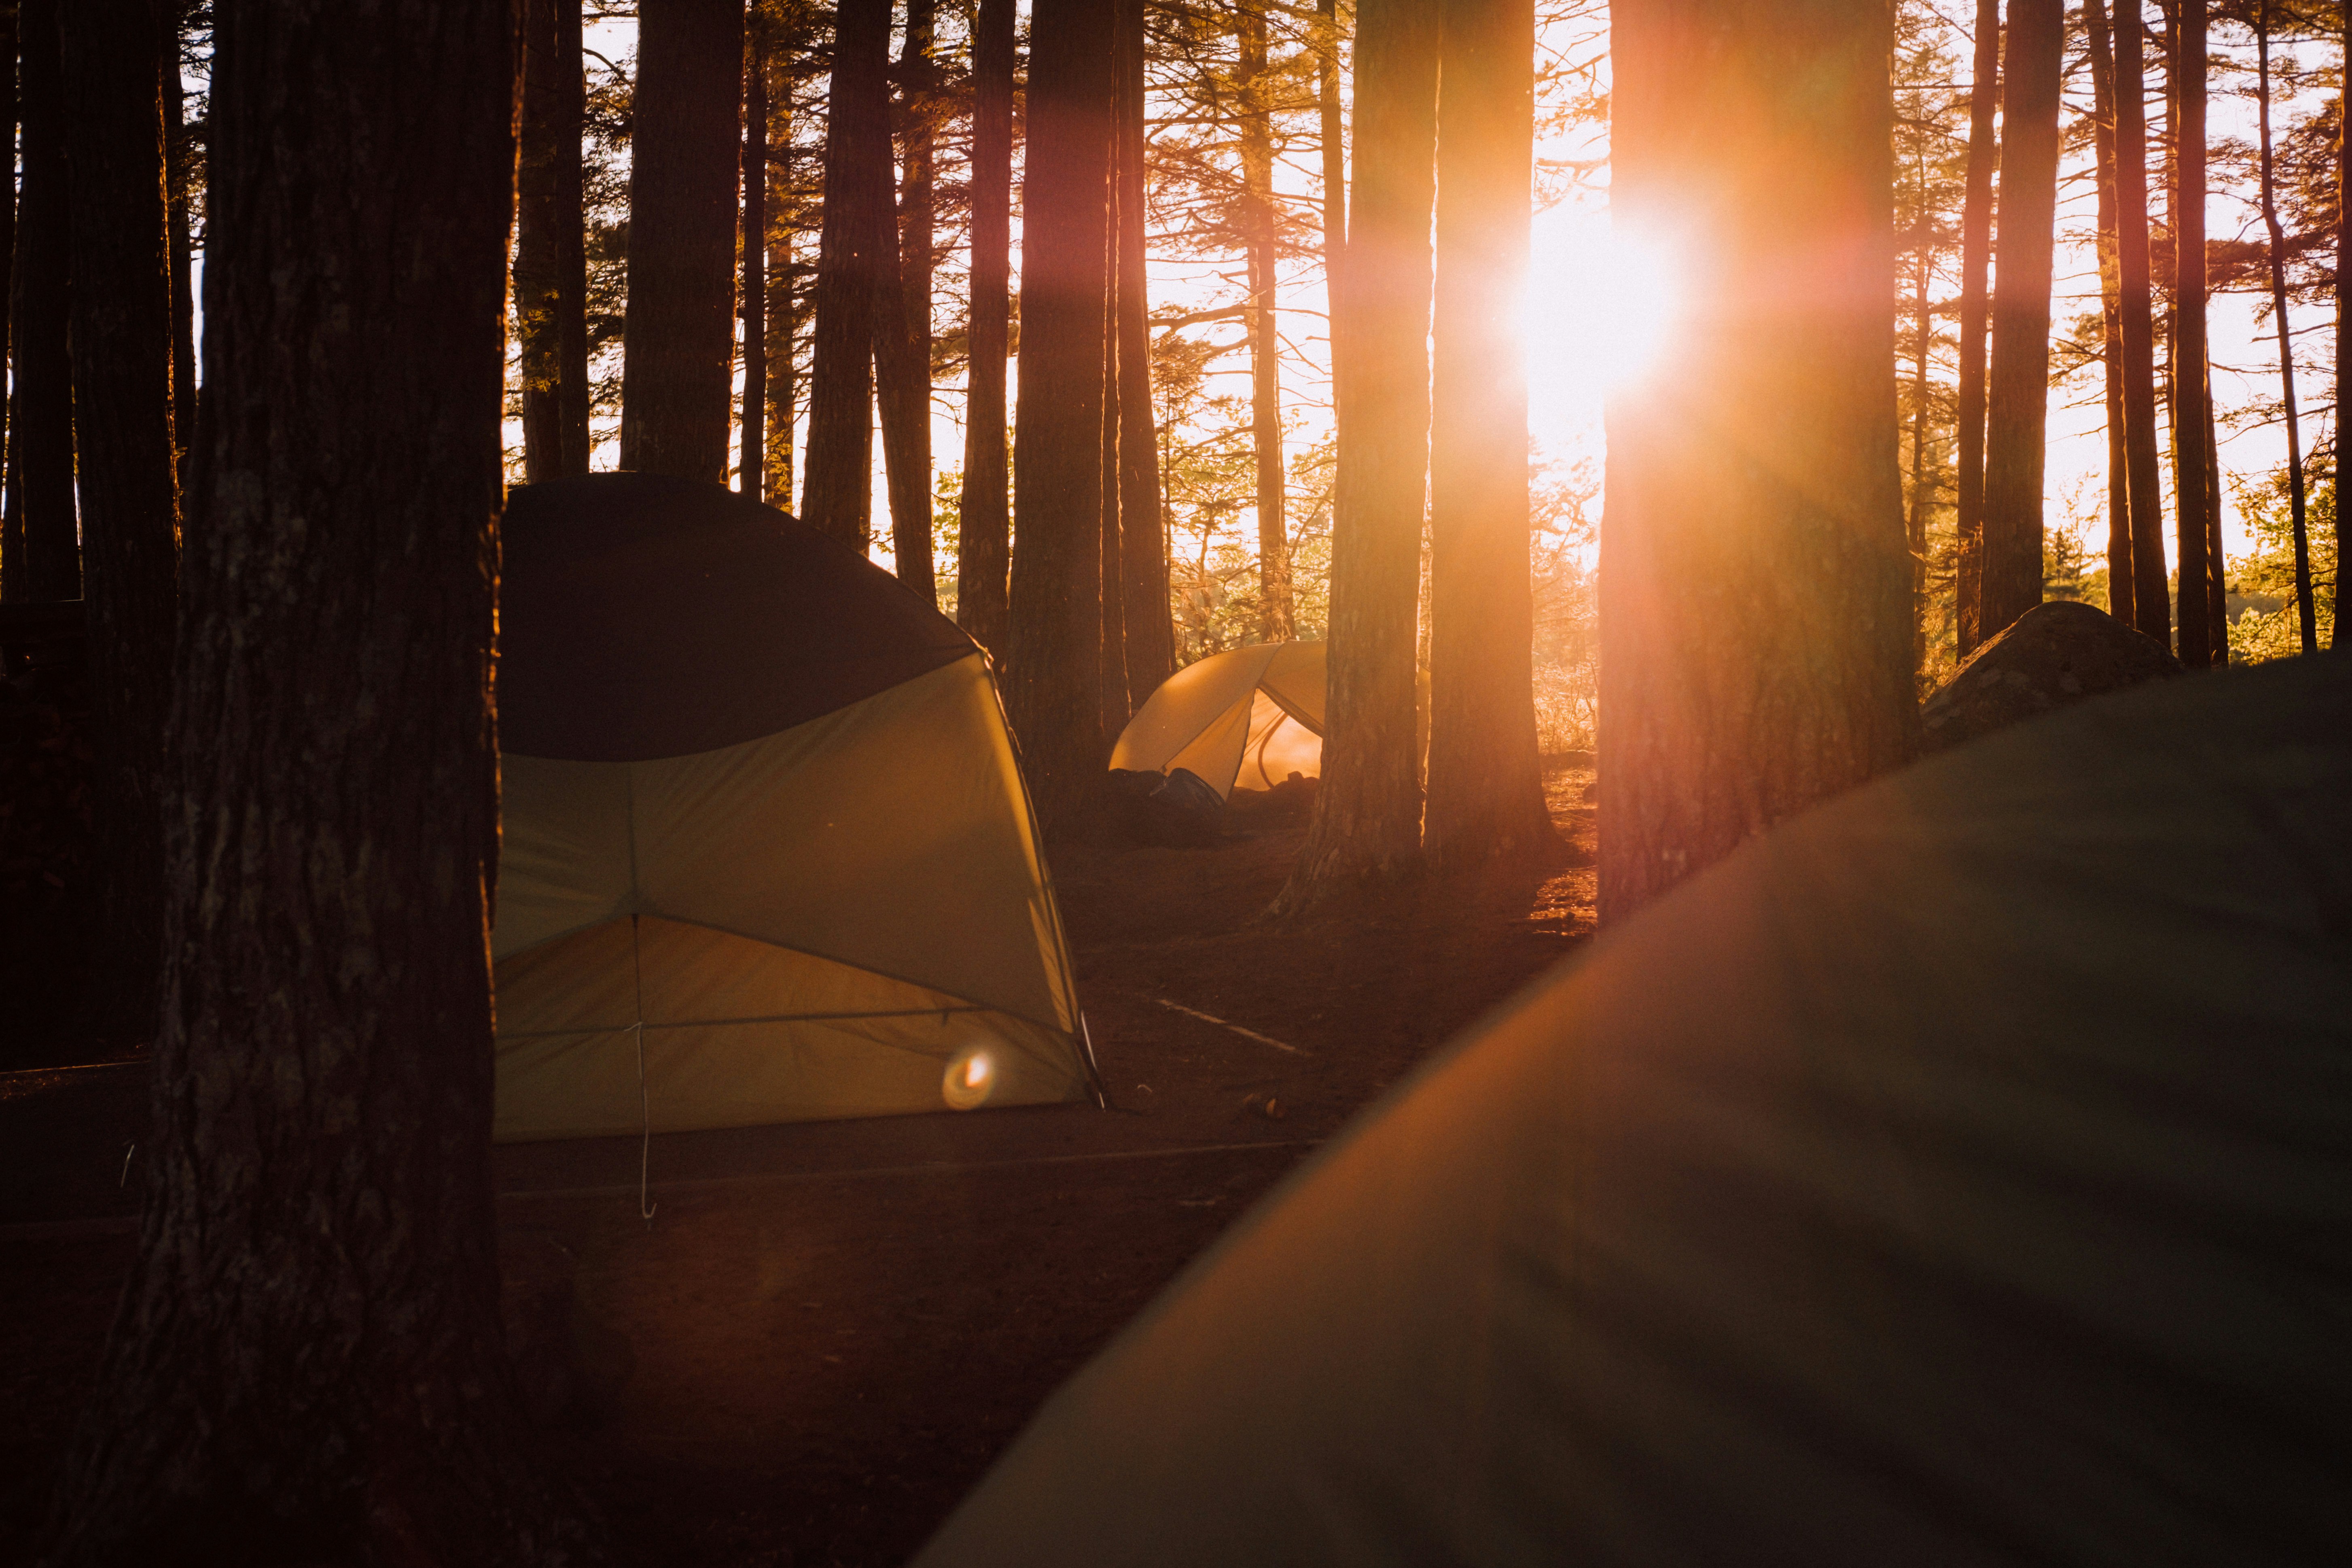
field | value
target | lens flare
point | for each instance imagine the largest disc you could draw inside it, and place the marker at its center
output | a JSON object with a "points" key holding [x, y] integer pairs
{"points": [[1601, 310], [971, 1079]]}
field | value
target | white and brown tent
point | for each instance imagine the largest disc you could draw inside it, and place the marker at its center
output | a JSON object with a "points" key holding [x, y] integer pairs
{"points": [[766, 851], [1248, 717]]}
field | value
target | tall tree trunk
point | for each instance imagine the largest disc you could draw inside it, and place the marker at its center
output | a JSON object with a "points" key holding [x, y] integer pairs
{"points": [[1277, 621], [2216, 591], [2018, 390], [2305, 623], [2336, 640], [1367, 818], [679, 352], [1329, 43], [11, 542], [1976, 255], [2135, 326], [783, 310], [308, 1361], [751, 447], [857, 250], [902, 348], [1057, 581], [2190, 474], [984, 521], [1486, 793], [44, 562], [176, 153], [2102, 134], [1754, 592], [1110, 647], [550, 272], [129, 486], [1150, 626], [1923, 331]]}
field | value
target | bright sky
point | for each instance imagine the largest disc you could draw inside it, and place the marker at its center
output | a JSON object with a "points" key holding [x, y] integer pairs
{"points": [[1595, 314]]}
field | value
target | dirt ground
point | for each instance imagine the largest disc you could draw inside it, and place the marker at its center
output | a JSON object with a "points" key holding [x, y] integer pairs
{"points": [[827, 1331]]}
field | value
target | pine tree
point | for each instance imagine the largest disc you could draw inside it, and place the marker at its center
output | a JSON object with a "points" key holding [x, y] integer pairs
{"points": [[679, 353], [1754, 592], [2277, 258], [1150, 633], [2191, 410], [308, 1361], [41, 557], [902, 343], [1367, 820], [2136, 332], [1976, 255], [551, 266], [983, 526], [857, 275]]}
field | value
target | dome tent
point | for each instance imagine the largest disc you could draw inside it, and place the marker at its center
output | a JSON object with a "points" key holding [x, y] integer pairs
{"points": [[1250, 717], [766, 855], [1956, 1174]]}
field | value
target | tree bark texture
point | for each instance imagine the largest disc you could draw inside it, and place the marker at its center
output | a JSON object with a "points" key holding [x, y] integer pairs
{"points": [[2136, 327], [1277, 621], [902, 347], [11, 542], [1329, 42], [308, 1363], [1917, 488], [1053, 699], [2343, 336], [678, 353], [1754, 590], [751, 447], [983, 517], [1150, 623], [44, 562], [2304, 621], [2191, 476], [179, 160], [1485, 783], [858, 255], [780, 46], [1976, 256], [551, 264], [1367, 820], [2103, 137], [2017, 403], [128, 484], [1110, 647], [2216, 591]]}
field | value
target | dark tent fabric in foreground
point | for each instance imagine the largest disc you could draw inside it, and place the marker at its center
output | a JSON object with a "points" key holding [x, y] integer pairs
{"points": [[1960, 1173], [765, 853]]}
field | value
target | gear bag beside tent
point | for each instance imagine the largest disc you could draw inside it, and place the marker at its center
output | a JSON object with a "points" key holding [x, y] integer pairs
{"points": [[766, 855]]}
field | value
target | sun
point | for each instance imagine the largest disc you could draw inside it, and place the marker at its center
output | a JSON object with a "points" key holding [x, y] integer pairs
{"points": [[1600, 308]]}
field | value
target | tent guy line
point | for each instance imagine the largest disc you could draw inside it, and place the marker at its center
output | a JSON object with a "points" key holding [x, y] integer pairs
{"points": [[1222, 1023]]}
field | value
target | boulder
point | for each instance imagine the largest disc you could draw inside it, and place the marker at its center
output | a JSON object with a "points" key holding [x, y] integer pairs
{"points": [[2056, 654]]}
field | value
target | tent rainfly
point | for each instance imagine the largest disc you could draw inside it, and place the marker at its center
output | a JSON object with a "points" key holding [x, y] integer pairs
{"points": [[1958, 1174], [1250, 718], [766, 852]]}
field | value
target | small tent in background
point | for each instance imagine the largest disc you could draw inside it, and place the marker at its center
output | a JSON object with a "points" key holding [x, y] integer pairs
{"points": [[1249, 718], [766, 854], [1957, 1173]]}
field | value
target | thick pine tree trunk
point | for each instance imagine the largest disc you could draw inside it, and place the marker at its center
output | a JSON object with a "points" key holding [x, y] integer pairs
{"points": [[308, 1361], [1976, 256], [2136, 327], [2305, 622], [10, 544], [1367, 820], [177, 154], [550, 270], [678, 353], [2103, 135], [2190, 475], [1485, 783], [128, 484], [2343, 341], [1110, 647], [1149, 628], [857, 253], [984, 519], [1053, 697], [751, 446], [1277, 621], [43, 559], [902, 346], [2017, 389], [1754, 590]]}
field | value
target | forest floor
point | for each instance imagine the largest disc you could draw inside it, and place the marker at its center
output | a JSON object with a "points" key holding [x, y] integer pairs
{"points": [[828, 1330]]}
